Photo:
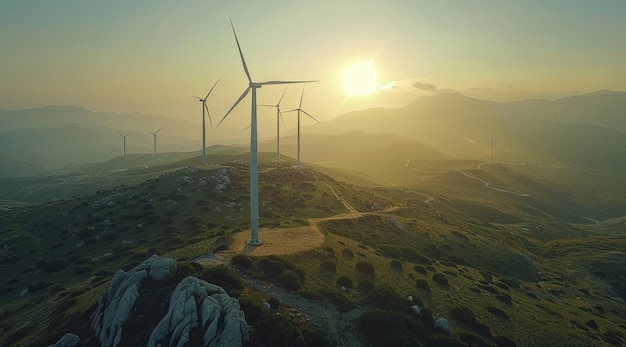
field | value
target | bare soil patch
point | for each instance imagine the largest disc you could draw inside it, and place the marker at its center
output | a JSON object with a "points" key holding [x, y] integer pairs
{"points": [[278, 241]]}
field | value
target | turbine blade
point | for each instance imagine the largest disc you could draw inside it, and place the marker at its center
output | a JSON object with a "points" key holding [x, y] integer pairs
{"points": [[281, 98], [208, 114], [301, 96], [295, 109], [281, 117], [268, 105], [236, 103], [243, 61], [209, 93], [195, 97], [305, 112], [248, 127], [284, 82], [156, 132]]}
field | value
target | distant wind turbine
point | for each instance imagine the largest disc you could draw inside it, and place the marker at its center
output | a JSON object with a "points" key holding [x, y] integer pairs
{"points": [[254, 161], [124, 137], [299, 109], [155, 135], [278, 117], [205, 107]]}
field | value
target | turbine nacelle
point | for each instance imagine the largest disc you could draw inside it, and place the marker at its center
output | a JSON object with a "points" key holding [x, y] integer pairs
{"points": [[255, 85]]}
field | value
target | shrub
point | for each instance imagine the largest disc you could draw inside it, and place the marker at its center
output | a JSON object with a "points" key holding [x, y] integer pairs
{"points": [[243, 261], [365, 286], [366, 268], [271, 267], [389, 328], [274, 303], [344, 281], [53, 265], [289, 280], [223, 276], [442, 340], [328, 266], [497, 312], [315, 337], [387, 298], [251, 309], [503, 341], [422, 284], [347, 253], [420, 269], [277, 330], [441, 279], [396, 265]]}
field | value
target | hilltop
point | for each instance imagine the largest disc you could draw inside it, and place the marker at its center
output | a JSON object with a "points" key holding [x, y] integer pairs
{"points": [[500, 269]]}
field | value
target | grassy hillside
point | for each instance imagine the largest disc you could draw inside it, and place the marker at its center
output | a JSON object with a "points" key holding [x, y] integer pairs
{"points": [[500, 269]]}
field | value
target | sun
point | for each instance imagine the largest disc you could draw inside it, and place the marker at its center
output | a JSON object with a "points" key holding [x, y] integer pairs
{"points": [[360, 78]]}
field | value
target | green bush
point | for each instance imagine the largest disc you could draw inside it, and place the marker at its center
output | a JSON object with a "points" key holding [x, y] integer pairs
{"points": [[420, 269], [422, 284], [328, 266], [365, 286], [395, 265], [347, 253], [271, 267], [251, 309], [442, 340], [243, 261], [387, 298], [277, 330], [344, 281], [52, 265], [315, 337], [289, 280], [366, 268], [441, 279], [223, 276], [389, 328]]}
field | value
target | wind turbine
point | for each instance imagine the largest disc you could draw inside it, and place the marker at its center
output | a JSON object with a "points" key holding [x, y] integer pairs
{"points": [[278, 117], [124, 137], [155, 135], [254, 160], [299, 109], [204, 107]]}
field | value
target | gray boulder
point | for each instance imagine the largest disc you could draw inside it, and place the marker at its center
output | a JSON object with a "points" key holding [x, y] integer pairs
{"points": [[198, 304], [117, 303], [68, 340], [443, 325]]}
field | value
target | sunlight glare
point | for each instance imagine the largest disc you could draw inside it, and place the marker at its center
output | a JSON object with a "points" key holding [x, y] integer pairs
{"points": [[360, 78]]}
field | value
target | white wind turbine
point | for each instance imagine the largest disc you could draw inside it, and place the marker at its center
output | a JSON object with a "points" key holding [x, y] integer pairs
{"points": [[278, 117], [155, 135], [299, 109], [205, 107], [254, 167], [124, 137]]}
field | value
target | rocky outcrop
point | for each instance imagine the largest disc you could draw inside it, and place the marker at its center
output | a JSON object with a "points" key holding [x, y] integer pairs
{"points": [[198, 304], [195, 307], [117, 303], [68, 340]]}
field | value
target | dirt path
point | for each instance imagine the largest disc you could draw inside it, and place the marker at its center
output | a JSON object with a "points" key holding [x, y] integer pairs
{"points": [[339, 327]]}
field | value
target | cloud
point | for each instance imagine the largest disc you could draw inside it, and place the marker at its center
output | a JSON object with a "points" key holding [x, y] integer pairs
{"points": [[411, 85]]}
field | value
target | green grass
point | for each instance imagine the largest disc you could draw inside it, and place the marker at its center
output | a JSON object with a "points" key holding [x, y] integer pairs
{"points": [[524, 274]]}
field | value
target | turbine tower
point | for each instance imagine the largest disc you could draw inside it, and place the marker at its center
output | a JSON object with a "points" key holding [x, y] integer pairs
{"points": [[205, 107], [124, 137], [305, 112], [278, 117], [155, 135], [254, 165]]}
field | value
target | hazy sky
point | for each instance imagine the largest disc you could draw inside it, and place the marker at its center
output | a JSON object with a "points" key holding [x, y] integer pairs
{"points": [[152, 56]]}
